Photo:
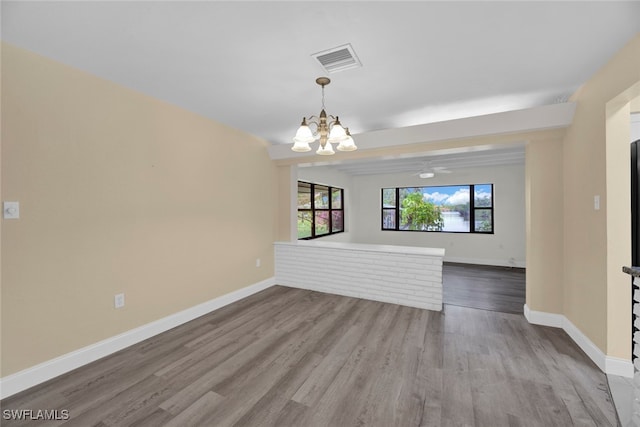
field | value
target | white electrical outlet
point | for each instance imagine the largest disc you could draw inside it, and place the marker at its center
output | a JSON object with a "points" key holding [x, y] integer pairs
{"points": [[596, 203], [118, 300], [11, 210], [258, 262]]}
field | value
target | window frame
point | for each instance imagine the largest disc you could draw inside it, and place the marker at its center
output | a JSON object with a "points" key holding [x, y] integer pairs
{"points": [[472, 209], [313, 210]]}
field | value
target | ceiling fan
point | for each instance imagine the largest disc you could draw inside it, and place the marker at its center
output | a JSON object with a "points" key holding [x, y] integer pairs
{"points": [[428, 171]]}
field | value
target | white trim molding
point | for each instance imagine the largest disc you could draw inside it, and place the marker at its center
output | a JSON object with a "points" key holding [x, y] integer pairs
{"points": [[45, 371], [607, 364]]}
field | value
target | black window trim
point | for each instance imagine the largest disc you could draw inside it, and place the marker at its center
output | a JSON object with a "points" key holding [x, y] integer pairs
{"points": [[331, 209], [472, 209]]}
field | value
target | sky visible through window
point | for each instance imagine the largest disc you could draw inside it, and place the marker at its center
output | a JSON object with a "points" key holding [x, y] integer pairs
{"points": [[454, 203], [450, 199], [454, 194]]}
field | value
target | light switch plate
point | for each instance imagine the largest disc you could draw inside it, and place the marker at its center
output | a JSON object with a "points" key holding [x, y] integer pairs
{"points": [[11, 210], [118, 301]]}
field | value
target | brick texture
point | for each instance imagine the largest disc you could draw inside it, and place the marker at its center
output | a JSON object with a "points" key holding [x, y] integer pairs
{"points": [[391, 274]]}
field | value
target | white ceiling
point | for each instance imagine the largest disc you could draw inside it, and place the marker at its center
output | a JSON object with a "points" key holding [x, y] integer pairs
{"points": [[512, 155], [249, 64]]}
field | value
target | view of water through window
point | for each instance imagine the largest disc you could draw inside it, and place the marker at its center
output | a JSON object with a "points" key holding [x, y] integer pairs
{"points": [[448, 208]]}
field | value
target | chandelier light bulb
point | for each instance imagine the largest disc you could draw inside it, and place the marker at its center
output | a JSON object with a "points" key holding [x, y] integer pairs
{"points": [[337, 133], [347, 144], [326, 150], [304, 133], [301, 146]]}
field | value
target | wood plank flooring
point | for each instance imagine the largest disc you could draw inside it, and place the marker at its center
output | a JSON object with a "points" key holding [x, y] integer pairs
{"points": [[485, 287], [292, 357]]}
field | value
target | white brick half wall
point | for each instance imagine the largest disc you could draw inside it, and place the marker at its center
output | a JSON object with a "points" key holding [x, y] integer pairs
{"points": [[402, 275]]}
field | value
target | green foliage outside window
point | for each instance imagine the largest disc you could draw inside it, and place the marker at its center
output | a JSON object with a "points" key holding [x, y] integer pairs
{"points": [[320, 210], [420, 214]]}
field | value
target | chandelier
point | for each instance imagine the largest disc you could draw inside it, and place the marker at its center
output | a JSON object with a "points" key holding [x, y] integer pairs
{"points": [[328, 130]]}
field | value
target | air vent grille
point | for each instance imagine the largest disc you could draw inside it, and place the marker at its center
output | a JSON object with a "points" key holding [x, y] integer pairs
{"points": [[338, 59]]}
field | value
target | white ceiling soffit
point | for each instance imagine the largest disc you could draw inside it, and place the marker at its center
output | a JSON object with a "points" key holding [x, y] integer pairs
{"points": [[514, 155], [338, 59], [554, 116]]}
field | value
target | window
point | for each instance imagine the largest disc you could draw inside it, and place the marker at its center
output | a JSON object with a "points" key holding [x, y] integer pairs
{"points": [[452, 208], [320, 210]]}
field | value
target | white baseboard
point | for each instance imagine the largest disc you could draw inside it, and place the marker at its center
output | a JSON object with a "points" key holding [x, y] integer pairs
{"points": [[542, 318], [619, 367], [45, 371], [607, 364], [483, 261]]}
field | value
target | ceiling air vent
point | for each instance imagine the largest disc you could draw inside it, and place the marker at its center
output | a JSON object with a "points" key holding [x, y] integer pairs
{"points": [[338, 59]]}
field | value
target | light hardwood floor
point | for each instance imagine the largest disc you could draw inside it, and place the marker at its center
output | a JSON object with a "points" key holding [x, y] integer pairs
{"points": [[291, 357]]}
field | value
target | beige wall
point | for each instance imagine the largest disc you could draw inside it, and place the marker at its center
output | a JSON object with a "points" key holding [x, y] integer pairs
{"points": [[118, 192], [544, 224], [618, 137], [286, 195], [591, 264]]}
